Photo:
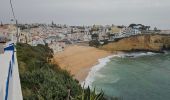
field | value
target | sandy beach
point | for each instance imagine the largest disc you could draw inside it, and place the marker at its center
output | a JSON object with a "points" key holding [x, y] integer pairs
{"points": [[79, 59]]}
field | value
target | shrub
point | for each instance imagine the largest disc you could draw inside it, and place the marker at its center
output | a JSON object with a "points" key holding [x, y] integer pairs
{"points": [[41, 80], [94, 43]]}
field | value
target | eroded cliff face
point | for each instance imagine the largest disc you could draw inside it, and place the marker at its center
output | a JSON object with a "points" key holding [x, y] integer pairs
{"points": [[155, 43]]}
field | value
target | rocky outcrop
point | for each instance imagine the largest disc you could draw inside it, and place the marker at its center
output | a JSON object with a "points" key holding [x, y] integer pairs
{"points": [[147, 42]]}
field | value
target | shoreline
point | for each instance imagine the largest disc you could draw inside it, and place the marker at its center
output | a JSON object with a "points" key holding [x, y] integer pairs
{"points": [[94, 69], [103, 62], [83, 65], [78, 60]]}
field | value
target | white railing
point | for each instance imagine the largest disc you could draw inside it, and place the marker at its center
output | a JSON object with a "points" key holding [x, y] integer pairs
{"points": [[10, 87]]}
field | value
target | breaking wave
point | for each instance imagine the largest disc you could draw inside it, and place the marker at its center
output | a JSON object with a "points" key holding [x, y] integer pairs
{"points": [[103, 61]]}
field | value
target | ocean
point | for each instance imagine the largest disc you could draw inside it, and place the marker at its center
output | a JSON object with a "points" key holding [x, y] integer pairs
{"points": [[132, 76]]}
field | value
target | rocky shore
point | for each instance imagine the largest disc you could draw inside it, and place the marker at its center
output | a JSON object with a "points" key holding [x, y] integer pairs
{"points": [[147, 42]]}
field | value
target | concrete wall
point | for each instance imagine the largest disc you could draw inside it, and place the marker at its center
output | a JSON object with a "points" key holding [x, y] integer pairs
{"points": [[10, 87]]}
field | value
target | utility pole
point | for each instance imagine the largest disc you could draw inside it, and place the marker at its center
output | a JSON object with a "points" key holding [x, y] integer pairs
{"points": [[17, 31], [17, 34]]}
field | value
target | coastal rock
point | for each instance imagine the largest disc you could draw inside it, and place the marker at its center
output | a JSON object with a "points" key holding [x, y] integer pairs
{"points": [[146, 42]]}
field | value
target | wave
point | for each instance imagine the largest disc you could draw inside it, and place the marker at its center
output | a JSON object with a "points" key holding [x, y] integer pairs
{"points": [[139, 54], [103, 61], [91, 76]]}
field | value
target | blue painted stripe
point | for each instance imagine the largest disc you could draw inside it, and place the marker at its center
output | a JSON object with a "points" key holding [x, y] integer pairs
{"points": [[7, 82], [10, 70], [9, 48], [13, 59]]}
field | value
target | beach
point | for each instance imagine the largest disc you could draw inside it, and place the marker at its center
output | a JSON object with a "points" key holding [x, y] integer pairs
{"points": [[78, 60]]}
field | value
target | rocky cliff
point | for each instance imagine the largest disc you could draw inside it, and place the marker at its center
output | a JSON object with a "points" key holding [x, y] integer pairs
{"points": [[147, 42]]}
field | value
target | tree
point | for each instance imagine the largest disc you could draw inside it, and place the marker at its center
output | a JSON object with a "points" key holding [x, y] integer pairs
{"points": [[155, 29], [132, 25], [148, 27], [94, 43], [95, 36]]}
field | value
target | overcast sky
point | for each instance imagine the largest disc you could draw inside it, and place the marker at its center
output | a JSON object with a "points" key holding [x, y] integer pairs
{"points": [[89, 12]]}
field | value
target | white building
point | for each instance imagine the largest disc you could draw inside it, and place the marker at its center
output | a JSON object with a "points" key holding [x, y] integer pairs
{"points": [[37, 41], [57, 46]]}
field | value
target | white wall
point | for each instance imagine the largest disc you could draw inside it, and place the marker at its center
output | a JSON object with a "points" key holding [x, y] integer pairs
{"points": [[14, 90]]}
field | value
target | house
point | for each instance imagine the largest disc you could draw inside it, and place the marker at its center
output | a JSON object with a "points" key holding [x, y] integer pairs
{"points": [[25, 37], [35, 42], [115, 32], [87, 35], [57, 46], [8, 32]]}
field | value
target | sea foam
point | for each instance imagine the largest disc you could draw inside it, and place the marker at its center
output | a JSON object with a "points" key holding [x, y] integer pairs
{"points": [[91, 75], [138, 54], [103, 61]]}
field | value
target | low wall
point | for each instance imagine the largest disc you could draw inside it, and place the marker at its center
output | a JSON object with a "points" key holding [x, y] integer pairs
{"points": [[10, 87]]}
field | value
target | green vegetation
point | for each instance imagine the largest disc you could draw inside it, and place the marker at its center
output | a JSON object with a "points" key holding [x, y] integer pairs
{"points": [[94, 43], [95, 36], [86, 94], [97, 43], [41, 80]]}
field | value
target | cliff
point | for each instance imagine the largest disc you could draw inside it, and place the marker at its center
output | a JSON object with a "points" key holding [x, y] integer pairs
{"points": [[147, 42]]}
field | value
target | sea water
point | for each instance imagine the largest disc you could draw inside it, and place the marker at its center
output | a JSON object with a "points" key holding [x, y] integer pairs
{"points": [[133, 76]]}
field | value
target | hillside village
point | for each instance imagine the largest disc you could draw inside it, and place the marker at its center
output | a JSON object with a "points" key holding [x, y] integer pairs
{"points": [[59, 36]]}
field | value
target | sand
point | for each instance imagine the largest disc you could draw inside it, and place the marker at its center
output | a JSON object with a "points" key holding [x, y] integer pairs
{"points": [[79, 59]]}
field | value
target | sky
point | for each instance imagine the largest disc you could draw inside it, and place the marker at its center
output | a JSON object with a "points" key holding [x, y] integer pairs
{"points": [[155, 13]]}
